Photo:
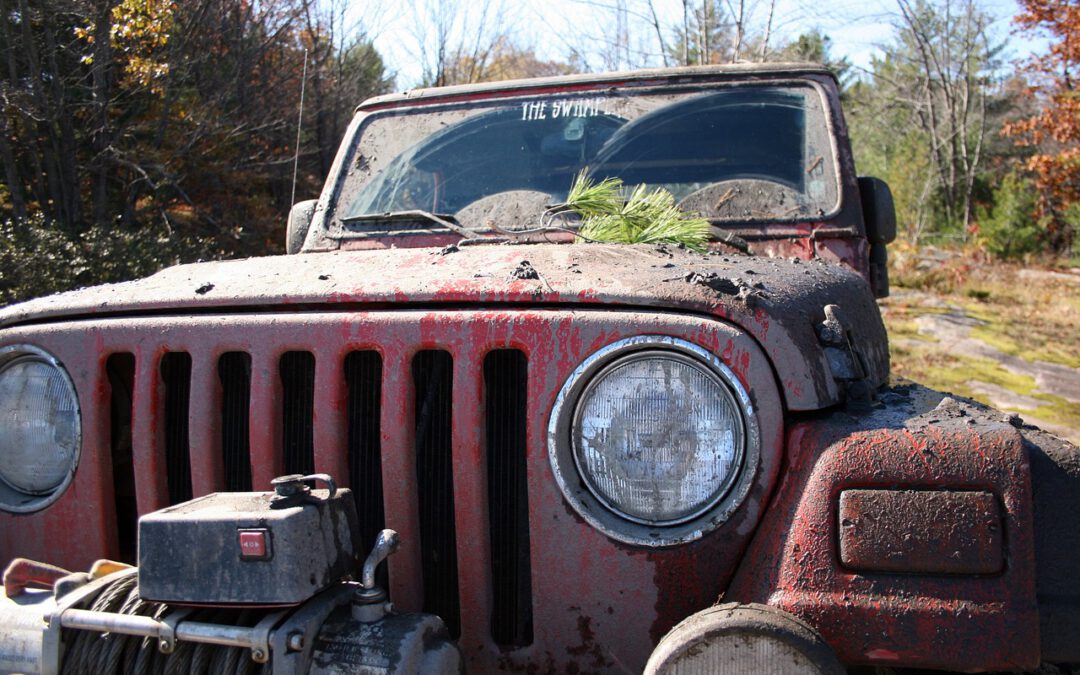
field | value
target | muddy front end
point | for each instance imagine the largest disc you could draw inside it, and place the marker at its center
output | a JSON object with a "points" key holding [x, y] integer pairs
{"points": [[572, 461]]}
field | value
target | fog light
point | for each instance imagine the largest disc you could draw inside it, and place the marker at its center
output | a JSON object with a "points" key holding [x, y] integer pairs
{"points": [[742, 639]]}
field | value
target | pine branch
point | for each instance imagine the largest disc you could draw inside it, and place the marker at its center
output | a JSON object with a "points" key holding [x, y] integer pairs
{"points": [[645, 217]]}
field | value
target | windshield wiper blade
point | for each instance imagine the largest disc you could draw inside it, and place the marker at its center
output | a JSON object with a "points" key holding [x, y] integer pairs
{"points": [[732, 240], [442, 219]]}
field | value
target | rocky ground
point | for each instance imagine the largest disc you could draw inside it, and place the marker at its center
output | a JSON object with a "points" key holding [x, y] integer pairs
{"points": [[1004, 335]]}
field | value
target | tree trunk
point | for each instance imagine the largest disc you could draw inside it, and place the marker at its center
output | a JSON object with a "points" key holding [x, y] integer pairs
{"points": [[50, 192], [100, 135], [68, 145], [11, 171]]}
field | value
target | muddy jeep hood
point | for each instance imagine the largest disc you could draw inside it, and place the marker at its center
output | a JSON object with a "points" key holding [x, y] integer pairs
{"points": [[775, 300]]}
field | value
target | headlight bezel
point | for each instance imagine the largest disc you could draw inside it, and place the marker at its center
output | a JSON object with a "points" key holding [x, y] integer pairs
{"points": [[12, 498], [597, 511]]}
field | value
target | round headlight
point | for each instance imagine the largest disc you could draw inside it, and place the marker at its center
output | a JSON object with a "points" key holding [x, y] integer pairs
{"points": [[654, 441], [658, 437], [39, 428]]}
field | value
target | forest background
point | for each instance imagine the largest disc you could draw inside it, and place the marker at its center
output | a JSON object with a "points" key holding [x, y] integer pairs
{"points": [[135, 134]]}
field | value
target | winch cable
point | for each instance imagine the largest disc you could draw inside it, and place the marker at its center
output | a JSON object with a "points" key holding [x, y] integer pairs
{"points": [[93, 653]]}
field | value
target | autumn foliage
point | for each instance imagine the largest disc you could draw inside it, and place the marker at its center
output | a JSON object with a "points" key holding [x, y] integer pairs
{"points": [[1054, 132], [158, 131]]}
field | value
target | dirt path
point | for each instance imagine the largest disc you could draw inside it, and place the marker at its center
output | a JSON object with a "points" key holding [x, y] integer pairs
{"points": [[939, 340]]}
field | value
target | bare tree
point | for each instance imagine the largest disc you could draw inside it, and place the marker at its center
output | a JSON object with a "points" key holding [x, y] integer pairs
{"points": [[686, 32], [950, 54], [740, 28], [768, 31], [659, 33], [454, 40]]}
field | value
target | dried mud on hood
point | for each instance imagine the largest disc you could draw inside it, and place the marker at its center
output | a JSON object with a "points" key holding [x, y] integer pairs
{"points": [[777, 301]]}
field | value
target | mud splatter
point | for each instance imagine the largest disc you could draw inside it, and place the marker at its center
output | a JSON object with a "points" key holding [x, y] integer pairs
{"points": [[524, 271]]}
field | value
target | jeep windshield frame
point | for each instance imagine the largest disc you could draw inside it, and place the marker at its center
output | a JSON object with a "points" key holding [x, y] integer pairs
{"points": [[751, 155]]}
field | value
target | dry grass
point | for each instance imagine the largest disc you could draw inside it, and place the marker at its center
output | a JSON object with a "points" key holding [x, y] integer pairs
{"points": [[1026, 314], [1028, 311]]}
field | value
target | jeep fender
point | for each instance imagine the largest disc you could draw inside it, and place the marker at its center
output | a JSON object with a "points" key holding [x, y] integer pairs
{"points": [[905, 536]]}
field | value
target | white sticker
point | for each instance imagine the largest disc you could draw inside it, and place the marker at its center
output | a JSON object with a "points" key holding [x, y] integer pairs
{"points": [[581, 107]]}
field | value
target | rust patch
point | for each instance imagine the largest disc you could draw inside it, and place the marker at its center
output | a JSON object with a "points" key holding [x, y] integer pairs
{"points": [[588, 646], [675, 567], [920, 531]]}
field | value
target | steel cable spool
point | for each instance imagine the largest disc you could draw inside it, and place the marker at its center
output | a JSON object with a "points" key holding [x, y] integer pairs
{"points": [[94, 653]]}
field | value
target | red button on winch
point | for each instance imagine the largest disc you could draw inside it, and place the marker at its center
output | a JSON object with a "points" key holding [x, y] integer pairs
{"points": [[254, 544]]}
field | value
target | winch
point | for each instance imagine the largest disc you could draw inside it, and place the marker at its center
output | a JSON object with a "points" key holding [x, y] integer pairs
{"points": [[265, 582]]}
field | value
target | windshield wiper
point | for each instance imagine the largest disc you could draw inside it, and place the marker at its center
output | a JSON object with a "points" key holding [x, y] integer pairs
{"points": [[732, 240], [443, 219]]}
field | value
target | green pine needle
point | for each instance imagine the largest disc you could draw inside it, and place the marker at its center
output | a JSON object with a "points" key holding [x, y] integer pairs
{"points": [[593, 199], [642, 218]]}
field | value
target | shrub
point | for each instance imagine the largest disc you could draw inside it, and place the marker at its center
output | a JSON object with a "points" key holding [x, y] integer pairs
{"points": [[1011, 229], [39, 257]]}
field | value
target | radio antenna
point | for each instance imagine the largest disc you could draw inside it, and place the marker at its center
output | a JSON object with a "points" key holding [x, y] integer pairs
{"points": [[299, 126]]}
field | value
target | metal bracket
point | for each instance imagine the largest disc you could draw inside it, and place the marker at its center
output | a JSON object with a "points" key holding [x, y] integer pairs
{"points": [[833, 233], [50, 639], [303, 626], [167, 636], [260, 636]]}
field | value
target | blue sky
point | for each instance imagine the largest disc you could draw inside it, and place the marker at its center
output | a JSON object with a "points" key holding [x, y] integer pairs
{"points": [[555, 27]]}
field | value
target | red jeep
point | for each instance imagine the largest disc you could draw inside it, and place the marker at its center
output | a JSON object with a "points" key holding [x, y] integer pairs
{"points": [[596, 456]]}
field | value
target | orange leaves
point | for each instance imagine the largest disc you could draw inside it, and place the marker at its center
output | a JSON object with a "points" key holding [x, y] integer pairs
{"points": [[1055, 131], [1061, 18]]}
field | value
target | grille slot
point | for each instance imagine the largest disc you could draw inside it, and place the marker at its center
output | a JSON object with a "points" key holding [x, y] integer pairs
{"points": [[505, 392], [223, 443], [432, 372], [298, 389], [363, 376], [176, 376], [120, 369], [234, 371]]}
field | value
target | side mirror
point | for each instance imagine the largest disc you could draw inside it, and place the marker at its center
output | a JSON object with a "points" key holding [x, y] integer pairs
{"points": [[879, 214], [299, 223], [879, 218]]}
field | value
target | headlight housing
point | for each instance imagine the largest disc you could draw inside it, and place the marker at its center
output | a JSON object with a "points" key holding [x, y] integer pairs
{"points": [[654, 440], [40, 429]]}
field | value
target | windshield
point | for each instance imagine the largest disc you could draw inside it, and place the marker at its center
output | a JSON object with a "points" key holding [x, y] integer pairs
{"points": [[734, 154]]}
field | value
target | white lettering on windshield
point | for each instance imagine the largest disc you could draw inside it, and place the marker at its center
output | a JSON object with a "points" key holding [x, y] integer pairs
{"points": [[536, 110], [582, 107]]}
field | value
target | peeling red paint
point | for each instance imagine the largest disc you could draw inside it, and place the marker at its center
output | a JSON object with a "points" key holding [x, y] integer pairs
{"points": [[627, 595], [950, 622]]}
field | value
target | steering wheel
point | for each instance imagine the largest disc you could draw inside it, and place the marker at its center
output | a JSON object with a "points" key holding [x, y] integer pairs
{"points": [[508, 210], [744, 198]]}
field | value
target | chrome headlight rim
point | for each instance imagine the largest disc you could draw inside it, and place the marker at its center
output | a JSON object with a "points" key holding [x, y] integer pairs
{"points": [[17, 500], [609, 519], [596, 379]]}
